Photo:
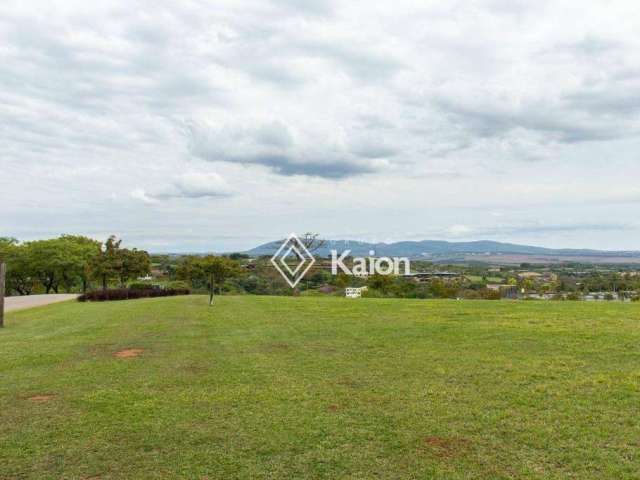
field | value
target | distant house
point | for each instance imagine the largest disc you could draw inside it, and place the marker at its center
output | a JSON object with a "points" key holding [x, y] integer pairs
{"points": [[506, 291], [156, 273], [352, 292]]}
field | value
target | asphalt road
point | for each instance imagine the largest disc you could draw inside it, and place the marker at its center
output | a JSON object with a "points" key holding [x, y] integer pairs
{"points": [[29, 301]]}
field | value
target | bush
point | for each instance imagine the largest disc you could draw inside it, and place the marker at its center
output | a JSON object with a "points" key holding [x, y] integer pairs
{"points": [[177, 285], [482, 294], [130, 294]]}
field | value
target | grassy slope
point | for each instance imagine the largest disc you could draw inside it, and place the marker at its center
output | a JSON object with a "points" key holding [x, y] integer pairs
{"points": [[264, 387]]}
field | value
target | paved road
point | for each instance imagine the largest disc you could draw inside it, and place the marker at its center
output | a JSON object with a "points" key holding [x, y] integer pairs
{"points": [[29, 301]]}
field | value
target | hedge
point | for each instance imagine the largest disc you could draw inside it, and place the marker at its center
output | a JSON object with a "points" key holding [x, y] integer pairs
{"points": [[130, 294]]}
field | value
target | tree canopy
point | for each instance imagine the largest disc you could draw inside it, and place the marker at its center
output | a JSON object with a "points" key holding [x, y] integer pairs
{"points": [[69, 262]]}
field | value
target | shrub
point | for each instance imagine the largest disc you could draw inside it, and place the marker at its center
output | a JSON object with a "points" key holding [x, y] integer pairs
{"points": [[130, 294], [373, 293], [481, 294], [177, 285]]}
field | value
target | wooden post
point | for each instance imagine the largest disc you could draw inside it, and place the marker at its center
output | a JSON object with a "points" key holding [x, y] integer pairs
{"points": [[2, 274]]}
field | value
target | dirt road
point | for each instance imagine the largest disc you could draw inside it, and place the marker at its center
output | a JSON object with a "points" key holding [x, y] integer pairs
{"points": [[29, 301]]}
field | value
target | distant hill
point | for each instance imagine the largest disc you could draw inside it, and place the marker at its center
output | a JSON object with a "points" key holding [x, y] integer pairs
{"points": [[438, 249]]}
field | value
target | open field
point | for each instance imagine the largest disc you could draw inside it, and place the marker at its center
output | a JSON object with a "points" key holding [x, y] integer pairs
{"points": [[268, 387]]}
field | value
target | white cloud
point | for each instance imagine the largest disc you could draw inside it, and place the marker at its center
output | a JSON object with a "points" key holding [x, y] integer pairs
{"points": [[140, 194], [187, 185]]}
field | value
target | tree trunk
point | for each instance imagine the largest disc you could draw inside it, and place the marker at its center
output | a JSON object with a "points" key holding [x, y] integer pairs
{"points": [[2, 277], [211, 290], [104, 283]]}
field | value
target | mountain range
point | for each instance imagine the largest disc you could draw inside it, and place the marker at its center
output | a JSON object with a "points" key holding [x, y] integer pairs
{"points": [[439, 250]]}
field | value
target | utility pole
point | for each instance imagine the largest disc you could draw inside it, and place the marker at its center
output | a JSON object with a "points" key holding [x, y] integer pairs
{"points": [[2, 275]]}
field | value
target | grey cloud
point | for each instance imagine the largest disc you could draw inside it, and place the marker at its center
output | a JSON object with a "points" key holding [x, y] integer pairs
{"points": [[575, 121], [606, 101], [313, 167], [272, 145]]}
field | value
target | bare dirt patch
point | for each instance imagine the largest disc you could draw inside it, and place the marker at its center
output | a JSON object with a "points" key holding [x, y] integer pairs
{"points": [[41, 398], [333, 408], [446, 447], [129, 353]]}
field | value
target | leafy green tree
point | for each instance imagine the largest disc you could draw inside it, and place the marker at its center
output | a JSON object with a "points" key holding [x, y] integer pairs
{"points": [[135, 263], [49, 260], [19, 277], [187, 270], [80, 252], [107, 264], [212, 270]]}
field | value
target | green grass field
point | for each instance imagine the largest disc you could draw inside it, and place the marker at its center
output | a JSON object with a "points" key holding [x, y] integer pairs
{"points": [[266, 387]]}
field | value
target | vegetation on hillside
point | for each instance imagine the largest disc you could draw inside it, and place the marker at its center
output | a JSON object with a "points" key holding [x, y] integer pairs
{"points": [[77, 264]]}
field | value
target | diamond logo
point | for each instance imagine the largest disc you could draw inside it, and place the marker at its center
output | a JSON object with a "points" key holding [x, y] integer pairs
{"points": [[293, 271]]}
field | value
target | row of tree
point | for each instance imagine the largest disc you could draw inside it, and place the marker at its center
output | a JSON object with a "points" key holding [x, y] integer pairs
{"points": [[69, 263]]}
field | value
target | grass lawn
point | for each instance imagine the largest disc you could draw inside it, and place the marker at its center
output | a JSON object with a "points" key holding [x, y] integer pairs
{"points": [[267, 387]]}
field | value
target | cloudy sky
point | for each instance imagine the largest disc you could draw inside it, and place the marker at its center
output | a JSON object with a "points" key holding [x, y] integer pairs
{"points": [[211, 126]]}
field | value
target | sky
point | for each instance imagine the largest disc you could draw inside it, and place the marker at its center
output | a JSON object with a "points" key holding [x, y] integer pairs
{"points": [[199, 126]]}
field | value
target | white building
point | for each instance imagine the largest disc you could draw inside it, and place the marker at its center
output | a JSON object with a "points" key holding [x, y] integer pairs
{"points": [[351, 292]]}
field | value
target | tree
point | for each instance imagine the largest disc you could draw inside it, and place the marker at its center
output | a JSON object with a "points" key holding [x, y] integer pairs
{"points": [[135, 263], [108, 262], [187, 270], [114, 262], [19, 277], [215, 270], [80, 252], [48, 260], [312, 241]]}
